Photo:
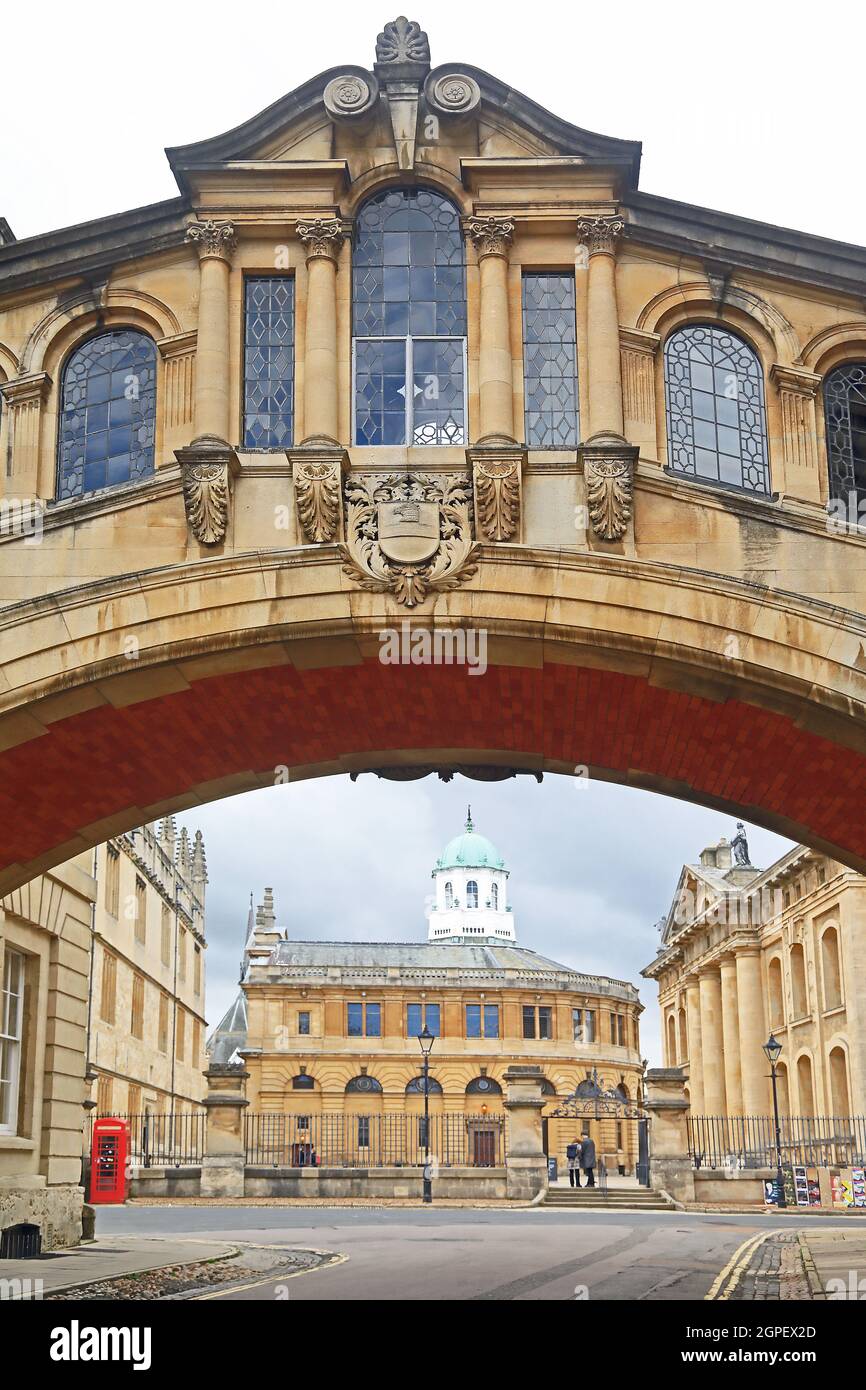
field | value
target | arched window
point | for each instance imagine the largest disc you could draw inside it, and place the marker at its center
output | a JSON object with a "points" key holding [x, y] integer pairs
{"points": [[483, 1086], [363, 1085], [805, 1087], [415, 1087], [409, 320], [830, 969], [107, 413], [684, 1036], [798, 983], [472, 893], [302, 1082], [717, 428], [672, 1041], [845, 417], [777, 995], [783, 1089], [494, 897], [449, 895], [839, 1082]]}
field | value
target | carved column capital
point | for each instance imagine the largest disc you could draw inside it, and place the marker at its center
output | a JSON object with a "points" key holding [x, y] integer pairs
{"points": [[323, 238], [492, 236], [213, 240], [206, 469], [608, 469], [600, 234]]}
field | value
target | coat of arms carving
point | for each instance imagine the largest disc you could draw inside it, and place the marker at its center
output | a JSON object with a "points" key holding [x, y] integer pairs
{"points": [[409, 534]]}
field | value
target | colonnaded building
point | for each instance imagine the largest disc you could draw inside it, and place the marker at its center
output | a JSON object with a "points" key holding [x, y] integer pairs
{"points": [[328, 1028], [746, 951]]}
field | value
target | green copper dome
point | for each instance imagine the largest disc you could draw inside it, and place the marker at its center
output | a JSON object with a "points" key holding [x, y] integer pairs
{"points": [[470, 851]]}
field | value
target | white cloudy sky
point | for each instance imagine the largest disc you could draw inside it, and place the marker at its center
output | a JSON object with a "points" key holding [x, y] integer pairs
{"points": [[749, 108]]}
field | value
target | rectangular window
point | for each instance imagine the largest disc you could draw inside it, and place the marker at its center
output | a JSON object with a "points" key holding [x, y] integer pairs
{"points": [[11, 1035], [162, 1028], [108, 993], [140, 911], [420, 1015], [549, 360], [112, 881], [137, 1024], [545, 1022], [577, 1025], [491, 1020], [165, 935], [528, 1021], [133, 1100], [589, 1025], [374, 1020], [269, 361], [181, 954], [304, 1023], [197, 970], [473, 1020], [180, 1036], [196, 1042], [364, 1020], [104, 1095], [355, 1020], [482, 1020], [363, 1131]]}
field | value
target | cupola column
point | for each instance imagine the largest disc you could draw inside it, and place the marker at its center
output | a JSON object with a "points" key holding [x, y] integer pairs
{"points": [[323, 240], [600, 236], [492, 237], [215, 242]]}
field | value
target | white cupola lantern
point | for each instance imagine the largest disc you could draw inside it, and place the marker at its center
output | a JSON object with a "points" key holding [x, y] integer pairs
{"points": [[471, 899]]}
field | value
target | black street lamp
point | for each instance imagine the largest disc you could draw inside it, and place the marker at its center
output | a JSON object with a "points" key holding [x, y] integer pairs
{"points": [[772, 1048], [425, 1042]]}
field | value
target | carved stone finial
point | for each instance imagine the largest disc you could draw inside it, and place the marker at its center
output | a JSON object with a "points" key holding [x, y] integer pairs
{"points": [[492, 235], [213, 239], [600, 234], [324, 236], [402, 41], [608, 470]]}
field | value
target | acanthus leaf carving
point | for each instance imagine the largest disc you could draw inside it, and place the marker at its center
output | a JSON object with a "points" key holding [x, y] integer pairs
{"points": [[418, 514], [317, 491], [497, 500], [608, 470], [206, 499]]}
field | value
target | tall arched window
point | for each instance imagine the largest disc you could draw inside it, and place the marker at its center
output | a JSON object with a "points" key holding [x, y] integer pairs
{"points": [[107, 413], [839, 1101], [805, 1087], [717, 428], [672, 1041], [409, 320], [777, 993], [472, 893], [830, 970], [449, 895], [799, 988], [845, 415], [494, 897]]}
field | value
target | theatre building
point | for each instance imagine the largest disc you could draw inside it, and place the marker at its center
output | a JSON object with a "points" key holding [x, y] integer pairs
{"points": [[331, 1028]]}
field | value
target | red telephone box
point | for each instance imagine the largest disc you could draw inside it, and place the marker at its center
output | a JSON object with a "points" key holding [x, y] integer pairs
{"points": [[108, 1161]]}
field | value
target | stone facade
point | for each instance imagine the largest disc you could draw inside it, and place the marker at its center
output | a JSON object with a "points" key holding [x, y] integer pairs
{"points": [[747, 951], [638, 615], [45, 943]]}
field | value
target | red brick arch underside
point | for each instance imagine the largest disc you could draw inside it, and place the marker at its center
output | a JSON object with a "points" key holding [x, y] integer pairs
{"points": [[107, 765]]}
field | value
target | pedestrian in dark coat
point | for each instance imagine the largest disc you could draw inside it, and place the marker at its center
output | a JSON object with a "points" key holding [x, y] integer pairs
{"points": [[587, 1159], [572, 1155]]}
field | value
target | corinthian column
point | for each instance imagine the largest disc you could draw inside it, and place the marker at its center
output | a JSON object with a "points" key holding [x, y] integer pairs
{"points": [[492, 237], [323, 239], [215, 242], [711, 1041], [696, 1056], [600, 235], [731, 1037], [753, 1063]]}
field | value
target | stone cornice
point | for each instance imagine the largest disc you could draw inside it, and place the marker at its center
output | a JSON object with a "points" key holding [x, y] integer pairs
{"points": [[33, 387]]}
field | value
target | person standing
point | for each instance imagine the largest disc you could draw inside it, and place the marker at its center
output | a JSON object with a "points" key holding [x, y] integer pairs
{"points": [[587, 1160], [572, 1155]]}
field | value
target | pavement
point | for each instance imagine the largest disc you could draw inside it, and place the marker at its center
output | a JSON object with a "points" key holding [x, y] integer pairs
{"points": [[489, 1254]]}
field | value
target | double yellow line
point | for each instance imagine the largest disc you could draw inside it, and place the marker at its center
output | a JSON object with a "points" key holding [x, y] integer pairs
{"points": [[727, 1282]]}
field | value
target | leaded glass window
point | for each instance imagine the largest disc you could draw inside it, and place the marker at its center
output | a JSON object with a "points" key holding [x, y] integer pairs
{"points": [[269, 361], [845, 408], [107, 413], [409, 321], [717, 428], [549, 361]]}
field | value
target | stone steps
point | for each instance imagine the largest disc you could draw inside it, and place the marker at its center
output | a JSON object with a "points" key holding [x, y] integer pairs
{"points": [[641, 1198]]}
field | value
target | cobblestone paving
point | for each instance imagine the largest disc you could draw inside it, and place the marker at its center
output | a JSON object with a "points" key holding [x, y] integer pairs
{"points": [[776, 1272]]}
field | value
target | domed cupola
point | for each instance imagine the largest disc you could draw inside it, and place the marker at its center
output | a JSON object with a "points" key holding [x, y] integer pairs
{"points": [[470, 902]]}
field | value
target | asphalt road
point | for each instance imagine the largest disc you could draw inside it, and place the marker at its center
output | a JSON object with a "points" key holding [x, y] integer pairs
{"points": [[472, 1255]]}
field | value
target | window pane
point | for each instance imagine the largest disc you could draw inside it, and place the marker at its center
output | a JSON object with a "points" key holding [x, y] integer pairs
{"points": [[374, 1020], [845, 413], [528, 1021], [545, 1023], [550, 361], [438, 415], [432, 1019], [269, 361], [380, 372], [473, 1020], [413, 1020], [107, 413], [491, 1020], [715, 403], [356, 1020]]}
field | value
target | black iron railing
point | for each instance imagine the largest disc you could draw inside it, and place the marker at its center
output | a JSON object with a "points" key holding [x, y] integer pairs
{"points": [[749, 1141], [163, 1141], [373, 1141]]}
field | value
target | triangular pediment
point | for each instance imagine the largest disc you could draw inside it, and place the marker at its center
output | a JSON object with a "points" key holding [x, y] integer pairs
{"points": [[404, 112]]}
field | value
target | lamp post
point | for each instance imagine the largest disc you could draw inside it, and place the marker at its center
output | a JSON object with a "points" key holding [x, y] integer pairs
{"points": [[772, 1048], [425, 1042]]}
